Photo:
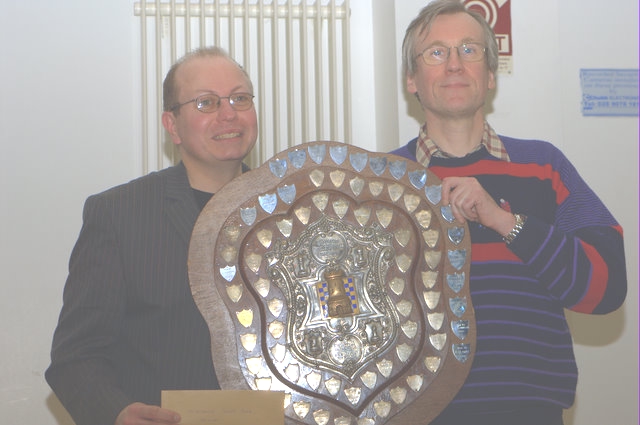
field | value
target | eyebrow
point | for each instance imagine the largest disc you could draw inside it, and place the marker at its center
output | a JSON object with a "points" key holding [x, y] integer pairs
{"points": [[237, 89], [442, 43]]}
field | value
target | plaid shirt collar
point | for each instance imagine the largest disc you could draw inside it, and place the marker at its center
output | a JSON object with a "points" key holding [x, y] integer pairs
{"points": [[426, 148]]}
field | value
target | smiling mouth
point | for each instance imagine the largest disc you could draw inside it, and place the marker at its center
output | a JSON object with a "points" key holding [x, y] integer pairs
{"points": [[455, 84], [227, 136]]}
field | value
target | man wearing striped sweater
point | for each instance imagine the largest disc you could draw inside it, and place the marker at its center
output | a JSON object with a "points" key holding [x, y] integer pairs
{"points": [[542, 241]]}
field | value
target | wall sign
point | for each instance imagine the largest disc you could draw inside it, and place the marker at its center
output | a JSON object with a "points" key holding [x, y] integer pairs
{"points": [[498, 14], [609, 92]]}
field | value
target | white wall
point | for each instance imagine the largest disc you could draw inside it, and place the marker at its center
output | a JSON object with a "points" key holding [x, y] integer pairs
{"points": [[67, 130], [69, 126]]}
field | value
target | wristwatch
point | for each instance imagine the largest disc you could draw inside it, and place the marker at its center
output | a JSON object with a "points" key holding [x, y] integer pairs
{"points": [[520, 220]]}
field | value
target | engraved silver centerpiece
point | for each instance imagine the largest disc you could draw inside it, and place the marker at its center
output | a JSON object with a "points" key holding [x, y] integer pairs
{"points": [[335, 275]]}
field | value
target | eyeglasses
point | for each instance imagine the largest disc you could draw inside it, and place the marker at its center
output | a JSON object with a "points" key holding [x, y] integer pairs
{"points": [[210, 102], [468, 52]]}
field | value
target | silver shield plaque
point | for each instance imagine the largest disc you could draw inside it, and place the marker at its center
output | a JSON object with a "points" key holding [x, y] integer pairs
{"points": [[348, 291]]}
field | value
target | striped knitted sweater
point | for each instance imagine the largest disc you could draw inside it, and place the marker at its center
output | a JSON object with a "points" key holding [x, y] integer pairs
{"points": [[569, 255]]}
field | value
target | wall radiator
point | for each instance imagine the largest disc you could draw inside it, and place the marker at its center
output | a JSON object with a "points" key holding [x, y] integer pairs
{"points": [[296, 52]]}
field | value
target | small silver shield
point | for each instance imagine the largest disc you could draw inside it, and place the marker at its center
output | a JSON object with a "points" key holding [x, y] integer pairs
{"points": [[248, 215], [297, 158], [287, 193], [338, 153], [317, 153], [228, 273], [268, 202], [358, 160], [398, 168], [457, 257], [278, 167], [461, 352], [447, 213], [458, 305], [378, 164], [456, 234], [418, 178], [434, 194], [460, 328], [455, 281]]}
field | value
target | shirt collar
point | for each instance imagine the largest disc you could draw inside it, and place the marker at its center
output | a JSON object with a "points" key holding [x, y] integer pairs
{"points": [[426, 148]]}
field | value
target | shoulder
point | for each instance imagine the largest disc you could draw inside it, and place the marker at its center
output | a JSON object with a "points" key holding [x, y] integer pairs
{"points": [[145, 187], [408, 150], [532, 150]]}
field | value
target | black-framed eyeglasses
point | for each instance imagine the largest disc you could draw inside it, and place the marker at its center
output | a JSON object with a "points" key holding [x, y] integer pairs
{"points": [[468, 52], [210, 102]]}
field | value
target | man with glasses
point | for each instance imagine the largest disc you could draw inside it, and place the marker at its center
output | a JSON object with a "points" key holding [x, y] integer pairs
{"points": [[129, 327], [542, 241]]}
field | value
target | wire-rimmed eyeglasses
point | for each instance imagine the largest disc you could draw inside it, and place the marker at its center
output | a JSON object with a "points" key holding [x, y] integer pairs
{"points": [[210, 102], [468, 52]]}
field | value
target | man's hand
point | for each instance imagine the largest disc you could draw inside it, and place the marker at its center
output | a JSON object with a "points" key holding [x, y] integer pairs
{"points": [[145, 414], [469, 201]]}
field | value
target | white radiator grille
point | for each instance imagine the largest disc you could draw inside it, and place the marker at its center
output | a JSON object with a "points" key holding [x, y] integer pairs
{"points": [[296, 52]]}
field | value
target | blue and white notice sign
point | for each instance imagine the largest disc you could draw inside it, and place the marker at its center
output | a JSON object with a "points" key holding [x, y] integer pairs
{"points": [[609, 92]]}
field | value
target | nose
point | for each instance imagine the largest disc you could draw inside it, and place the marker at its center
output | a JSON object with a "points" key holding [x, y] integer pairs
{"points": [[453, 61], [225, 111]]}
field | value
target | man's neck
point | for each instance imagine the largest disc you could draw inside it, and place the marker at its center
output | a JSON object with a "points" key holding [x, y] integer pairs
{"points": [[210, 179], [456, 137]]}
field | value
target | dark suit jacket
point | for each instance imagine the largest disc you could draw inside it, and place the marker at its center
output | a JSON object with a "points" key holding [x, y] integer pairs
{"points": [[129, 327]]}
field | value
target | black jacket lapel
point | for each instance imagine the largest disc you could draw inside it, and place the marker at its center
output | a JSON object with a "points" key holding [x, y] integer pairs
{"points": [[181, 205]]}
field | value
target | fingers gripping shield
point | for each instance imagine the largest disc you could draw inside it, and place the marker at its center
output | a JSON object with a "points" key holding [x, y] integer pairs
{"points": [[334, 275]]}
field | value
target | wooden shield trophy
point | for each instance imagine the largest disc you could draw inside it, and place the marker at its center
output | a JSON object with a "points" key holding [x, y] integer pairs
{"points": [[335, 275]]}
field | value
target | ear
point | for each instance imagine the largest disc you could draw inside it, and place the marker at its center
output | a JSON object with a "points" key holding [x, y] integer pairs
{"points": [[411, 84], [169, 124], [492, 81]]}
